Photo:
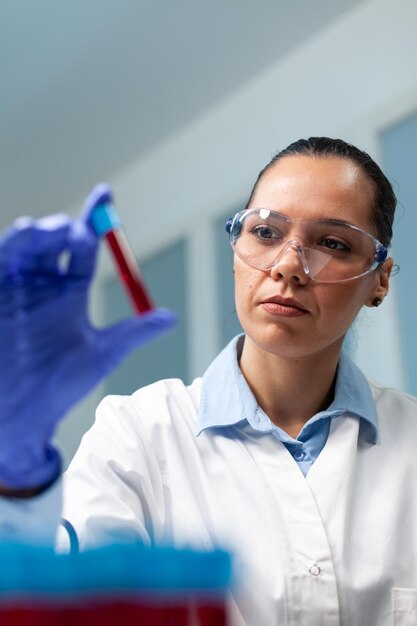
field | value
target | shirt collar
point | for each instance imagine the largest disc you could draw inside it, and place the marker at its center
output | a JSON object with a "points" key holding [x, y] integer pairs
{"points": [[226, 398]]}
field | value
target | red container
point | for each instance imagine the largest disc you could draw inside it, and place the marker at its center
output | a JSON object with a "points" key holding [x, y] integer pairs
{"points": [[112, 613]]}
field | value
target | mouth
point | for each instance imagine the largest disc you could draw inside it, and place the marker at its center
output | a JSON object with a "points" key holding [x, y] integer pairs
{"points": [[288, 307]]}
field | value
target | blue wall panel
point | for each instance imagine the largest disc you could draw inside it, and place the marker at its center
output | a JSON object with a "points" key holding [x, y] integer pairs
{"points": [[399, 144], [166, 357], [229, 325]]}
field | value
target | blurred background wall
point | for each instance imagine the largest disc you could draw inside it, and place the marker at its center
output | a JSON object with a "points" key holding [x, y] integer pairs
{"points": [[178, 104]]}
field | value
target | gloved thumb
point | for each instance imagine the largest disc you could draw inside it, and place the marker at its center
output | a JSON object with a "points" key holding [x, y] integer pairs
{"points": [[118, 340]]}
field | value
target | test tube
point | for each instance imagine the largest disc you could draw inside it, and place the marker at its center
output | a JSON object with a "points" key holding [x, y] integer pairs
{"points": [[106, 223]]}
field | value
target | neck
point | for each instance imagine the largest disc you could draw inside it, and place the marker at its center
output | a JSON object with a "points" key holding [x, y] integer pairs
{"points": [[290, 389]]}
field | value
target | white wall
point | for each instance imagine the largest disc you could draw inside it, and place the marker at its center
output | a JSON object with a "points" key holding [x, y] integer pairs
{"points": [[350, 80]]}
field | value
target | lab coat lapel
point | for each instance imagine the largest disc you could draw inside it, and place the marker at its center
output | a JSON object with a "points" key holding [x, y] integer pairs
{"points": [[331, 480]]}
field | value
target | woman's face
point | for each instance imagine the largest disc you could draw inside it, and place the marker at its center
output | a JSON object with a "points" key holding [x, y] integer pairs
{"points": [[309, 188]]}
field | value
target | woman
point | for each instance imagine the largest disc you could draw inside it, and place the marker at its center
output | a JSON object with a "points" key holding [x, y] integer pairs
{"points": [[282, 452], [316, 546]]}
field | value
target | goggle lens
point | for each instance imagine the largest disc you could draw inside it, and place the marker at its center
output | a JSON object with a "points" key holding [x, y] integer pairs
{"points": [[329, 250]]}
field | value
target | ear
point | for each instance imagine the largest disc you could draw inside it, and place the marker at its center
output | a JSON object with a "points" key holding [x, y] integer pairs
{"points": [[381, 289]]}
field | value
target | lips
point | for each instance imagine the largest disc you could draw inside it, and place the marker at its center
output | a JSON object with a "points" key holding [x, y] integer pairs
{"points": [[280, 307], [285, 302]]}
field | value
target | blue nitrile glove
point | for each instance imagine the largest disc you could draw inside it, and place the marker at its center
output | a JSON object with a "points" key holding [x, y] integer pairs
{"points": [[50, 355]]}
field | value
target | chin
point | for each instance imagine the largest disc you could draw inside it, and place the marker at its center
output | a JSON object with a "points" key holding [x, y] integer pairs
{"points": [[284, 342], [276, 340]]}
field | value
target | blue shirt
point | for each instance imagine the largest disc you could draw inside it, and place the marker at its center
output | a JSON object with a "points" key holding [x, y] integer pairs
{"points": [[228, 402]]}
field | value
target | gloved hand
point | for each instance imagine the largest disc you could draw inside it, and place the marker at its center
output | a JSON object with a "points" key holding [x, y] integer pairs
{"points": [[50, 355]]}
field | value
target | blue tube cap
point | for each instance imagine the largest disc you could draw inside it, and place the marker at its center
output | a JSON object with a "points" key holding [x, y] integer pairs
{"points": [[99, 211]]}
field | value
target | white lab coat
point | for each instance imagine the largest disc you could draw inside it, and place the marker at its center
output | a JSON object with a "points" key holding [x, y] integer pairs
{"points": [[337, 548]]}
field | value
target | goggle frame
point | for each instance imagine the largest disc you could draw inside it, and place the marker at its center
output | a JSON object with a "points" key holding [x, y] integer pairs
{"points": [[235, 223]]}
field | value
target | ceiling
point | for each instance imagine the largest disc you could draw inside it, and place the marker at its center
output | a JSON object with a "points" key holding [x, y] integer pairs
{"points": [[89, 85]]}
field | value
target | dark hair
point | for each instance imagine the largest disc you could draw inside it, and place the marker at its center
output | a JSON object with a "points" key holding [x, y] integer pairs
{"points": [[385, 201]]}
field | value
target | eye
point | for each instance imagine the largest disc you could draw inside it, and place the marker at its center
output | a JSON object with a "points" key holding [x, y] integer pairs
{"points": [[264, 232], [334, 244]]}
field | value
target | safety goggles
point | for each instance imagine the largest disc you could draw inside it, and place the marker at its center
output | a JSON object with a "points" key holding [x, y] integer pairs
{"points": [[329, 250]]}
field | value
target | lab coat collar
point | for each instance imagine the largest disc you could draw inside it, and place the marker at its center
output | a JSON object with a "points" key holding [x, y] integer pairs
{"points": [[226, 398]]}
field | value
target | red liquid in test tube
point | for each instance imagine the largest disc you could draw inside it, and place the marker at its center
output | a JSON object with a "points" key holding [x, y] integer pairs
{"points": [[129, 272], [104, 220]]}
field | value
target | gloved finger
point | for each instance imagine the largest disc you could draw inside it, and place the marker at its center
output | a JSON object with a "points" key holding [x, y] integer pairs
{"points": [[34, 245], [101, 194], [83, 245], [118, 340]]}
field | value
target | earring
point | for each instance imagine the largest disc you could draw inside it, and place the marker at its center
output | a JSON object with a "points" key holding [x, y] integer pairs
{"points": [[376, 301]]}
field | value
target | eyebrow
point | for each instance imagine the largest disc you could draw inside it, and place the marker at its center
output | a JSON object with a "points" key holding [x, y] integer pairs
{"points": [[337, 222], [324, 220]]}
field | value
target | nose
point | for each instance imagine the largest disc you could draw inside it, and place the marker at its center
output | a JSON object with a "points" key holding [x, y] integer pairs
{"points": [[291, 264]]}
